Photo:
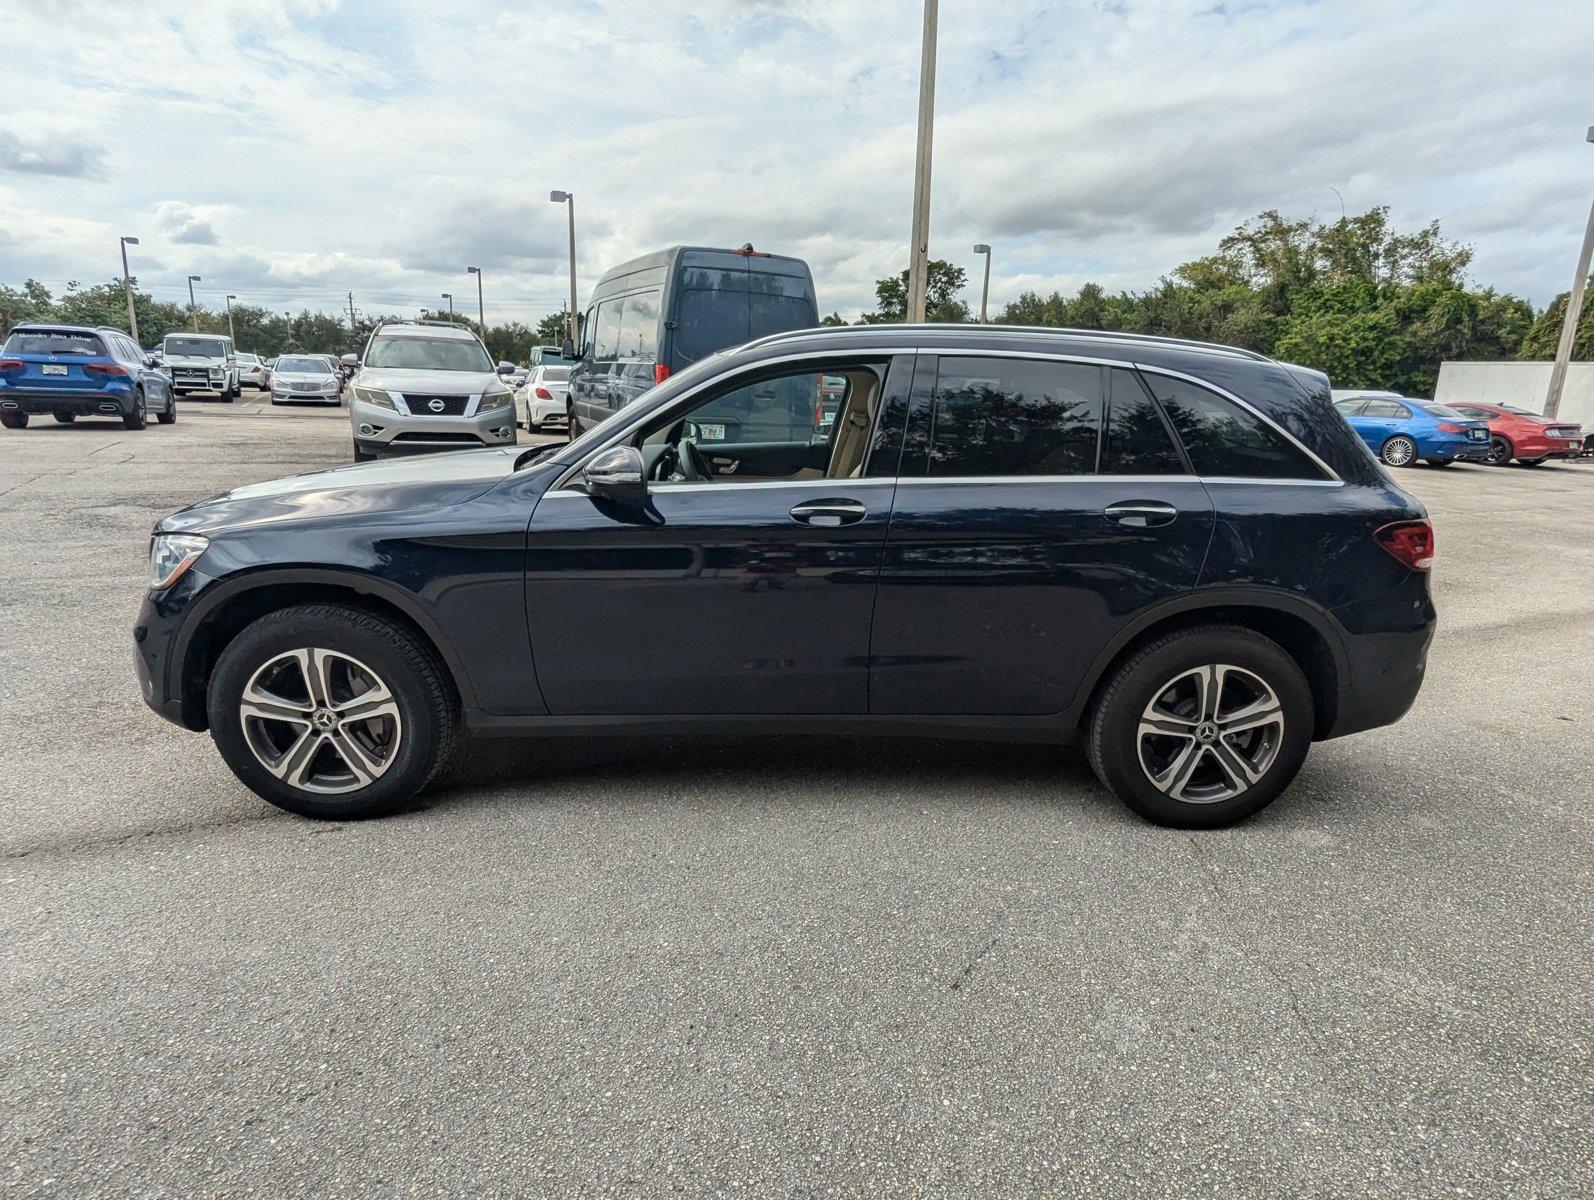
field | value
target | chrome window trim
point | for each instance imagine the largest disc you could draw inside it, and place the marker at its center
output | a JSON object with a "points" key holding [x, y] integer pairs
{"points": [[629, 426], [1247, 406], [1252, 480], [761, 485], [962, 480]]}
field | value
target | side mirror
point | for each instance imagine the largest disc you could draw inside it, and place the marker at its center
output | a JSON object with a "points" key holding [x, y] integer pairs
{"points": [[506, 368], [350, 360], [617, 474], [151, 361], [567, 350]]}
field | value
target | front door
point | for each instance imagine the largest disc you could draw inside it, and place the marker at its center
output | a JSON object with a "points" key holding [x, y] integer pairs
{"points": [[1012, 559], [745, 584]]}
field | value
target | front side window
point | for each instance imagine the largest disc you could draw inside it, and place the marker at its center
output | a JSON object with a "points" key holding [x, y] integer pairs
{"points": [[1135, 440], [793, 426], [407, 352], [606, 338], [1010, 416], [1223, 439], [639, 327], [1349, 408]]}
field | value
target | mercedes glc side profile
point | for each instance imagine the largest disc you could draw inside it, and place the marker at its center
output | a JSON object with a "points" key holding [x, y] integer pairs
{"points": [[1179, 553]]}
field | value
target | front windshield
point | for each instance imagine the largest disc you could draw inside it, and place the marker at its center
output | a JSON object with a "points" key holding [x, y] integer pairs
{"points": [[303, 366], [196, 347], [428, 354]]}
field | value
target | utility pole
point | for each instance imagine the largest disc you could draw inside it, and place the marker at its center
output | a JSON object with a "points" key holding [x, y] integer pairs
{"points": [[449, 296], [127, 289], [569, 199], [481, 309], [919, 250], [985, 288], [193, 309], [1574, 310], [230, 334], [352, 322]]}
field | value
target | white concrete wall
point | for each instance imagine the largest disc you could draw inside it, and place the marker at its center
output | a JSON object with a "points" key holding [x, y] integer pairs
{"points": [[1520, 384]]}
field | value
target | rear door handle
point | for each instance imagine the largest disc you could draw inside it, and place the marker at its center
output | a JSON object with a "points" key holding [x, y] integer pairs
{"points": [[1140, 514], [828, 513]]}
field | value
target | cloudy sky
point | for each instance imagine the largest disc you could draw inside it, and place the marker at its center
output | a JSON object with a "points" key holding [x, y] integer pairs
{"points": [[290, 151]]}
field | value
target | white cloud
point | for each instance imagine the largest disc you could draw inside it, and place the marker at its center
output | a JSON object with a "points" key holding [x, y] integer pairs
{"points": [[293, 150]]}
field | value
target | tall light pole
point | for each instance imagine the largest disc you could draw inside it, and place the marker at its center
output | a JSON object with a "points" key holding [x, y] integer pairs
{"points": [[127, 289], [985, 288], [193, 309], [919, 250], [449, 296], [1574, 310], [569, 199], [481, 309], [230, 334]]}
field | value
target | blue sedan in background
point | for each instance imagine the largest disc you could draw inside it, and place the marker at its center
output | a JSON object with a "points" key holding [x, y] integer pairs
{"points": [[1400, 430]]}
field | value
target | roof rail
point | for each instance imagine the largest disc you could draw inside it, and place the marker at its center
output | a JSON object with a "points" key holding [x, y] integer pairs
{"points": [[1102, 334]]}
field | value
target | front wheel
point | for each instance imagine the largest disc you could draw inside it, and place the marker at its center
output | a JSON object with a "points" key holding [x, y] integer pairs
{"points": [[1399, 451], [1202, 728], [332, 712]]}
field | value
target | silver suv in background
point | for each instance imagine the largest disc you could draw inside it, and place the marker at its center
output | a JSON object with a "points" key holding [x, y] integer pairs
{"points": [[427, 385]]}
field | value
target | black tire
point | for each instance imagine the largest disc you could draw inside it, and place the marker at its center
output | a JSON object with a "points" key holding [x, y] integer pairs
{"points": [[14, 420], [1399, 451], [428, 714], [572, 425], [362, 455], [138, 418], [64, 418], [1441, 462], [1500, 452], [1112, 731], [168, 415]]}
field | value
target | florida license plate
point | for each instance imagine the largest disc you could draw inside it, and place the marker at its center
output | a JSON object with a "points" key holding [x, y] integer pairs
{"points": [[54, 369]]}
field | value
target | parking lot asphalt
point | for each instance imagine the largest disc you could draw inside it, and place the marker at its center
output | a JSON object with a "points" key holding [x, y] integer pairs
{"points": [[792, 967]]}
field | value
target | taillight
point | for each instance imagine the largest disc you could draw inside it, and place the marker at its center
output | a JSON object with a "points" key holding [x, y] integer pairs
{"points": [[661, 372], [104, 369], [10, 364], [544, 394], [1410, 542], [1445, 427]]}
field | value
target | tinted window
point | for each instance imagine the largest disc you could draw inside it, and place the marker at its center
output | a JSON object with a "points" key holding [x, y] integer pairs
{"points": [[1443, 412], [1223, 439], [1386, 409], [999, 416], [1349, 407], [706, 321], [53, 343], [606, 335], [639, 327], [1136, 440], [196, 347], [408, 352]]}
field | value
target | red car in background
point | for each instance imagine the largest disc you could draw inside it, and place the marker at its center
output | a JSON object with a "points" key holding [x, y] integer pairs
{"points": [[1525, 436]]}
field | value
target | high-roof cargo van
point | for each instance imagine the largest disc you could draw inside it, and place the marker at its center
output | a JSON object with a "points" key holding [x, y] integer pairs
{"points": [[656, 314]]}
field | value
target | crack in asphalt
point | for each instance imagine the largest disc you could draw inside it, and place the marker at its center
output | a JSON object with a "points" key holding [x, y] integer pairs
{"points": [[68, 847]]}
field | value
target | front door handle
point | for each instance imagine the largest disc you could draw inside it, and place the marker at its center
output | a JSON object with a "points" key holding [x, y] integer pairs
{"points": [[1140, 514], [828, 513]]}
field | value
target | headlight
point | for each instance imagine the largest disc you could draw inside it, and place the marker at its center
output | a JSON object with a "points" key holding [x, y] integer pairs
{"points": [[495, 399], [170, 554], [380, 399]]}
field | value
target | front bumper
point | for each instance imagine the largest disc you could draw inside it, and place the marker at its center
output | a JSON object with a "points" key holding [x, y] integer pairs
{"points": [[80, 404], [383, 431], [155, 646], [322, 397]]}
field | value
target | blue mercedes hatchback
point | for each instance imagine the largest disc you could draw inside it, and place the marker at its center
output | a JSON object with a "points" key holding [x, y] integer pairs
{"points": [[1179, 553], [1401, 430], [72, 371]]}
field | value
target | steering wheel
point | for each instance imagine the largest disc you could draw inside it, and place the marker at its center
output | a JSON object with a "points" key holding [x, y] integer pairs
{"points": [[693, 465]]}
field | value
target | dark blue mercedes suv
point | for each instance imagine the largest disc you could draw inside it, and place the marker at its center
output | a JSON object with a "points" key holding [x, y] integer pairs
{"points": [[1179, 552]]}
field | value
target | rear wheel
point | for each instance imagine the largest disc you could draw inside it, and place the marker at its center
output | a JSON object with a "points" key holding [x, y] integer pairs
{"points": [[1499, 452], [1399, 451], [571, 423], [168, 415], [1441, 462], [1531, 462], [65, 418], [14, 420], [137, 419], [1202, 728], [332, 712]]}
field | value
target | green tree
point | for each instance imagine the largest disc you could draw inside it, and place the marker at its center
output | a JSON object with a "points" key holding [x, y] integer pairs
{"points": [[941, 303], [1541, 339]]}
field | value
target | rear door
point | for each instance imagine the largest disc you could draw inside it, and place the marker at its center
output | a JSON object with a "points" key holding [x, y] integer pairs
{"points": [[1042, 504]]}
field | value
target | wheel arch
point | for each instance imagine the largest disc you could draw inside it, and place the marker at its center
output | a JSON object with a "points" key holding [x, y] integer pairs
{"points": [[1306, 633], [234, 605]]}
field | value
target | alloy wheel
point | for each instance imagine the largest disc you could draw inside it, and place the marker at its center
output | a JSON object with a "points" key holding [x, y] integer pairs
{"points": [[1210, 733], [321, 721], [1399, 451], [1499, 452]]}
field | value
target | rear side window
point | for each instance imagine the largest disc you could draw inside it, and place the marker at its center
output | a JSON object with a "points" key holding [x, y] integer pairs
{"points": [[1008, 416], [1222, 439], [1136, 440], [53, 343]]}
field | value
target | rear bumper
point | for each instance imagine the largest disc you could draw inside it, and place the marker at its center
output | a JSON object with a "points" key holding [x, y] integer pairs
{"points": [[79, 404], [1386, 655], [1454, 451]]}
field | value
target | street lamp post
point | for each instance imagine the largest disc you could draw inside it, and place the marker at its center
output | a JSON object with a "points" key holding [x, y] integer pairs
{"points": [[481, 308], [193, 309], [1574, 310], [449, 296], [569, 200], [919, 250], [230, 334], [985, 288], [127, 289]]}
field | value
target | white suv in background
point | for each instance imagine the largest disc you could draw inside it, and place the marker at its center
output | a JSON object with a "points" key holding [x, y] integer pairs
{"points": [[427, 385], [200, 362]]}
